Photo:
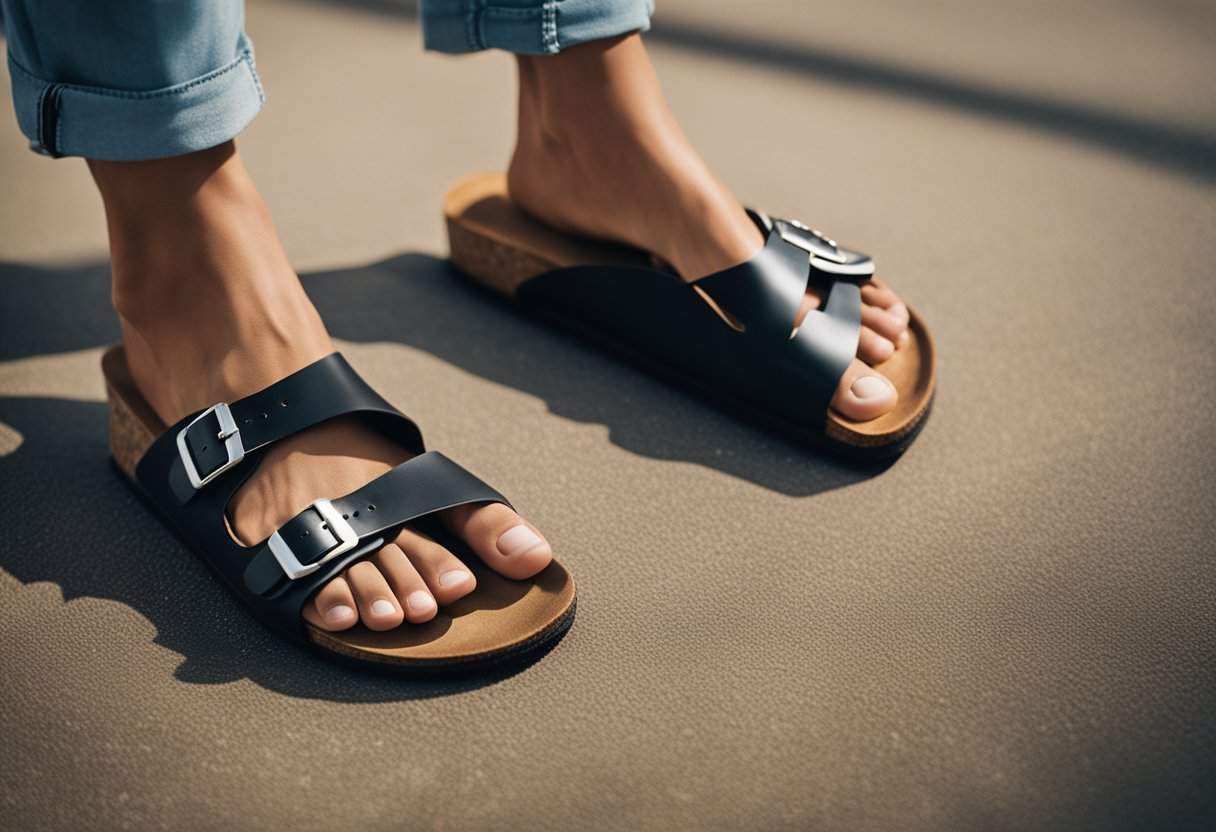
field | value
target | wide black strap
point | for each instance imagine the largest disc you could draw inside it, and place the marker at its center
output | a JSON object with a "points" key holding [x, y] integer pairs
{"points": [[323, 390], [826, 343], [662, 322], [414, 489], [765, 293]]}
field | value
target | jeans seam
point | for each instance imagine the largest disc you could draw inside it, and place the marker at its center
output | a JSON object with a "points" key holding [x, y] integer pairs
{"points": [[506, 11], [253, 76], [246, 59], [472, 24], [38, 108], [548, 27], [55, 129]]}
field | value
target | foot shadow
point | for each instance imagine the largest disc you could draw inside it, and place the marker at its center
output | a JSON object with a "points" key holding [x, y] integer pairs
{"points": [[422, 301], [103, 543]]}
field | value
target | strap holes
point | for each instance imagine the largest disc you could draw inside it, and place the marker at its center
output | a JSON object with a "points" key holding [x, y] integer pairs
{"points": [[265, 415], [204, 447], [370, 507], [306, 533], [345, 516], [283, 403], [356, 514]]}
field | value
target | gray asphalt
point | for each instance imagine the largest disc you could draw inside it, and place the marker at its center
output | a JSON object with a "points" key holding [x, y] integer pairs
{"points": [[1012, 627]]}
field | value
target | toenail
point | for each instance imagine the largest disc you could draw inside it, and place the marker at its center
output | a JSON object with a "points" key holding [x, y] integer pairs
{"points": [[339, 614], [871, 387], [420, 601], [383, 607], [518, 541], [884, 345], [456, 576]]}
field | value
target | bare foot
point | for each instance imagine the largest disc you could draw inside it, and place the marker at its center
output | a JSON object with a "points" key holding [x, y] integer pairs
{"points": [[599, 153], [211, 311]]}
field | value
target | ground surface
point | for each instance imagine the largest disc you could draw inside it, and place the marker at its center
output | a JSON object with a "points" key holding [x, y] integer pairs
{"points": [[1012, 627]]}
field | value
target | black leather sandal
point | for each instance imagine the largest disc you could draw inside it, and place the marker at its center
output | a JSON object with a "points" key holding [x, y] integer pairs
{"points": [[190, 471], [729, 336]]}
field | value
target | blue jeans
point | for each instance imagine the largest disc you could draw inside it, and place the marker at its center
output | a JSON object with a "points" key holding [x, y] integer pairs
{"points": [[145, 79]]}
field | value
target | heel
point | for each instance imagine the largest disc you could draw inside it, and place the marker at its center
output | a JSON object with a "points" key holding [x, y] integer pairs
{"points": [[129, 437], [492, 264]]}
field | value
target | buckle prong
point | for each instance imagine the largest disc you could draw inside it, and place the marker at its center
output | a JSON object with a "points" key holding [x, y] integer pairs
{"points": [[342, 530], [229, 434]]}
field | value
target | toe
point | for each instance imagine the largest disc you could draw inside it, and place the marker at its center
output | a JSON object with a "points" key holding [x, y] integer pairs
{"points": [[333, 607], [882, 322], [878, 294], [872, 348], [445, 575], [505, 541], [408, 586], [864, 393], [378, 606]]}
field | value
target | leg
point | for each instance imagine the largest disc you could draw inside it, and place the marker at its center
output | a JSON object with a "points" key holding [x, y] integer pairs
{"points": [[211, 310]]}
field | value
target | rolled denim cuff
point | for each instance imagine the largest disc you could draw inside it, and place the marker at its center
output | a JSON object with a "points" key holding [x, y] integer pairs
{"points": [[124, 125], [528, 27]]}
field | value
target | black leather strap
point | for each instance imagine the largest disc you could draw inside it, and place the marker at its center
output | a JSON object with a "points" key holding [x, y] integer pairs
{"points": [[765, 293], [324, 390], [317, 393], [659, 320], [418, 487]]}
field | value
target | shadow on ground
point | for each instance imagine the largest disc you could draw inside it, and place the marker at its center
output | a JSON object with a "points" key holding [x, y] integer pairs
{"points": [[421, 301], [101, 542]]}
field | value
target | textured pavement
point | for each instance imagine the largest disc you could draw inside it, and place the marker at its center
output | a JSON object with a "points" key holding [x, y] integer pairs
{"points": [[1013, 627]]}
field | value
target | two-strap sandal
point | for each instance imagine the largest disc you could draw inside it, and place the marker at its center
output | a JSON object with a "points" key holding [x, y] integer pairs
{"points": [[732, 336], [190, 471]]}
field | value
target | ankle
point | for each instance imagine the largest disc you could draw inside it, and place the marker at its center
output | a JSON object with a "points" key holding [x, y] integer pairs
{"points": [[190, 235], [144, 191]]}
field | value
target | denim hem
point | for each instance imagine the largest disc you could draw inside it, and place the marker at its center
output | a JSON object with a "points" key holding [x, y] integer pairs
{"points": [[127, 125], [541, 28]]}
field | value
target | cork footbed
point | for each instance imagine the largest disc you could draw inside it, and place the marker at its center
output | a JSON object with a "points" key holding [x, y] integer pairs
{"points": [[499, 620], [500, 247]]}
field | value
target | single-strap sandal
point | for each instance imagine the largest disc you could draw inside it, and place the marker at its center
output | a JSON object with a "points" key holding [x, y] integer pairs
{"points": [[190, 471], [729, 336]]}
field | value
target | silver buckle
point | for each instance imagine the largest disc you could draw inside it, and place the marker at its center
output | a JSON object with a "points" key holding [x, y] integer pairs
{"points": [[347, 540], [813, 241], [825, 254], [799, 224], [229, 434]]}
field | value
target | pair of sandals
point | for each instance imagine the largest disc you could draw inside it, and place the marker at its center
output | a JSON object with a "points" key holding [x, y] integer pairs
{"points": [[729, 336]]}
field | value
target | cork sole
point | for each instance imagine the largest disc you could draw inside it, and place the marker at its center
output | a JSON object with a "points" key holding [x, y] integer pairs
{"points": [[501, 621], [500, 248]]}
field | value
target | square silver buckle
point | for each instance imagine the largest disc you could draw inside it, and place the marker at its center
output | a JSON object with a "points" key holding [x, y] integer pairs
{"points": [[347, 540], [229, 434]]}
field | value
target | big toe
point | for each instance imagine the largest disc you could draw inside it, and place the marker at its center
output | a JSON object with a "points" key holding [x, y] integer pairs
{"points": [[864, 393], [505, 541]]}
